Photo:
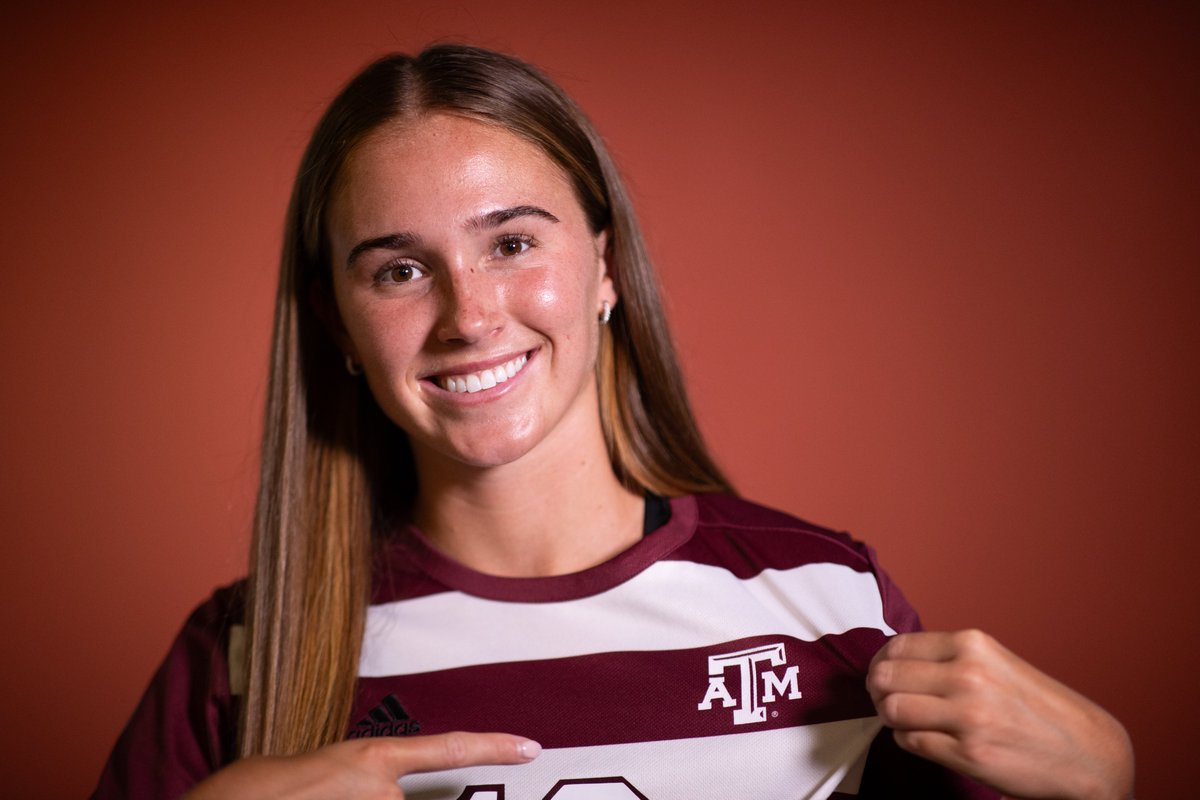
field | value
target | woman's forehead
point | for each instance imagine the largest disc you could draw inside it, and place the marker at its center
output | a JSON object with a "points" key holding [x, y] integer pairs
{"points": [[436, 143], [436, 166]]}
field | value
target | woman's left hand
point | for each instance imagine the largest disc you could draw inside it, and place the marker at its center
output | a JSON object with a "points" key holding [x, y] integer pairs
{"points": [[965, 701]]}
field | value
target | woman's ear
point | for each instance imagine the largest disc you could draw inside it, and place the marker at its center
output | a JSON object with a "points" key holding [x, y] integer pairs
{"points": [[607, 283]]}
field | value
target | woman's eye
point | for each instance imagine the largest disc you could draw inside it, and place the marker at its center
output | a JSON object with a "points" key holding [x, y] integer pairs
{"points": [[513, 246], [398, 273]]}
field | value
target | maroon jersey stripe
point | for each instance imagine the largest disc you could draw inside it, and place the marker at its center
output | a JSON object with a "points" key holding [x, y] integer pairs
{"points": [[715, 530], [747, 552], [639, 696]]}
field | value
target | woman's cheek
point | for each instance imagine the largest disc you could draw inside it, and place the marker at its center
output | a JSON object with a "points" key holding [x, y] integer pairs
{"points": [[545, 298]]}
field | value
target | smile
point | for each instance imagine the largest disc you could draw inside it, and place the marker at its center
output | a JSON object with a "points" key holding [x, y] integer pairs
{"points": [[484, 379]]}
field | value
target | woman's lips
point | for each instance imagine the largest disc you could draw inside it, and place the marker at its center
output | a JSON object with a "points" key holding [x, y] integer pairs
{"points": [[472, 382]]}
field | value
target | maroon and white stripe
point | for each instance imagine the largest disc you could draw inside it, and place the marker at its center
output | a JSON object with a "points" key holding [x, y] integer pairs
{"points": [[672, 605]]}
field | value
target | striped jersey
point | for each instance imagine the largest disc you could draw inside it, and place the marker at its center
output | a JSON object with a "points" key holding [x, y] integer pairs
{"points": [[722, 656]]}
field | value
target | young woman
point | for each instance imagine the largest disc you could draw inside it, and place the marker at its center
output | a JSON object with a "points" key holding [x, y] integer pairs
{"points": [[485, 506]]}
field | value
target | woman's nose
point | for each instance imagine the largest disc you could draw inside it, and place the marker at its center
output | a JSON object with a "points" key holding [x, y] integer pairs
{"points": [[470, 307]]}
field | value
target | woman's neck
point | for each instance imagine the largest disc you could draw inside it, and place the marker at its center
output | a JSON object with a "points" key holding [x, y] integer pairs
{"points": [[544, 514]]}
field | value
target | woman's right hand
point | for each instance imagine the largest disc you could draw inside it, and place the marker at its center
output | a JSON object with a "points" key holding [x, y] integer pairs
{"points": [[363, 769]]}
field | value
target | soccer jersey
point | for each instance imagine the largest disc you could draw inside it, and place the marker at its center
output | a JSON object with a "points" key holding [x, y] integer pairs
{"points": [[722, 656]]}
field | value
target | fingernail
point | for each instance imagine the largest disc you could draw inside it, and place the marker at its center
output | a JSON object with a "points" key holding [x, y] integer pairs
{"points": [[529, 749]]}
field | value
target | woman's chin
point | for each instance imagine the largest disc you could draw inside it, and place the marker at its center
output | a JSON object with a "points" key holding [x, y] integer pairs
{"points": [[486, 450]]}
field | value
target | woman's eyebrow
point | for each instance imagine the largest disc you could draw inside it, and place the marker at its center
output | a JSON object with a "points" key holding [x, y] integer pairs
{"points": [[492, 219], [390, 241], [500, 216]]}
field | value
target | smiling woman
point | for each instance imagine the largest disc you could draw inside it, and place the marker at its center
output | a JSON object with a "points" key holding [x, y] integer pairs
{"points": [[460, 252], [500, 515]]}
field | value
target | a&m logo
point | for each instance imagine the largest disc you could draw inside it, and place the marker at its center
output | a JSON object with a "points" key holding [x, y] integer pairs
{"points": [[759, 683]]}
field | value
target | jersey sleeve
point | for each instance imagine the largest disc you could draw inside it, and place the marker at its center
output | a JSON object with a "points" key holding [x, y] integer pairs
{"points": [[185, 726], [897, 611]]}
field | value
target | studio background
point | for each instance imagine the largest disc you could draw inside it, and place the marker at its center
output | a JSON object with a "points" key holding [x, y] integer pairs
{"points": [[933, 269]]}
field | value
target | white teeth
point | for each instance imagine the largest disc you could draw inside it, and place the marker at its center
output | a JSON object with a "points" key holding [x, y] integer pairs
{"points": [[485, 379]]}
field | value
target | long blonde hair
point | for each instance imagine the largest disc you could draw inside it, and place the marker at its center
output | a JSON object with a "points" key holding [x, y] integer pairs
{"points": [[337, 476]]}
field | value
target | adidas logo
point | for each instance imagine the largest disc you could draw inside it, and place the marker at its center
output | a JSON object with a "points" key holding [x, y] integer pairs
{"points": [[386, 719]]}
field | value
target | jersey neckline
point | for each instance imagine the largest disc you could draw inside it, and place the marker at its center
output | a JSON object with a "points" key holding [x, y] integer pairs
{"points": [[557, 588]]}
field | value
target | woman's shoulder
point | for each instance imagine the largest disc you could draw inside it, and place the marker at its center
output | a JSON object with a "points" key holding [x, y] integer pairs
{"points": [[226, 606], [749, 539], [184, 728], [213, 627], [729, 515]]}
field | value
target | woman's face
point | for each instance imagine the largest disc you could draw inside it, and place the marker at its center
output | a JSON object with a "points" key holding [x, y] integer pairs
{"points": [[468, 285]]}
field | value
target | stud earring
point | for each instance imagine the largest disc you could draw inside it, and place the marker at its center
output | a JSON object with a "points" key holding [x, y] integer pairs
{"points": [[605, 313], [353, 366]]}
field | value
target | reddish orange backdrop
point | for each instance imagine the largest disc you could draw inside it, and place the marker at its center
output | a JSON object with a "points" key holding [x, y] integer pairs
{"points": [[934, 271]]}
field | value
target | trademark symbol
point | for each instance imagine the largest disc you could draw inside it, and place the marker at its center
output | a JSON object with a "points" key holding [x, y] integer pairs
{"points": [[774, 713]]}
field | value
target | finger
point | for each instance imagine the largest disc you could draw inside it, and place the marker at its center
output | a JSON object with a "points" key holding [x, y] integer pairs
{"points": [[907, 675], [979, 759], [460, 749], [942, 646], [934, 745], [923, 646], [918, 712]]}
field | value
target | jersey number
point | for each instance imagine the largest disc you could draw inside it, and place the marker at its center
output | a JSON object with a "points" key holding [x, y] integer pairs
{"points": [[578, 789]]}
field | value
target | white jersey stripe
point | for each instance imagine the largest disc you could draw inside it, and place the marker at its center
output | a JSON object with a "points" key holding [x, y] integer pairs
{"points": [[821, 758], [672, 605]]}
